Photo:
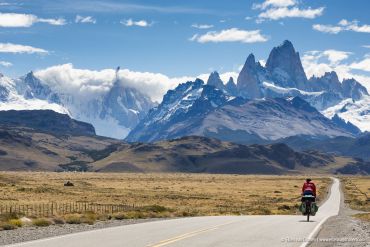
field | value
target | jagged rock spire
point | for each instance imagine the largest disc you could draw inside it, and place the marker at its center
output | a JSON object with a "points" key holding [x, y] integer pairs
{"points": [[231, 87], [248, 82], [284, 64], [215, 80]]}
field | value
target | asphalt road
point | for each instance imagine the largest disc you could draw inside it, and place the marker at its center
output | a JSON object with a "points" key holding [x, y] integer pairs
{"points": [[277, 230]]}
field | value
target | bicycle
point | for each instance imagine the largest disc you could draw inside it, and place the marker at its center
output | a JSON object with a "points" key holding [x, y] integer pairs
{"points": [[308, 206]]}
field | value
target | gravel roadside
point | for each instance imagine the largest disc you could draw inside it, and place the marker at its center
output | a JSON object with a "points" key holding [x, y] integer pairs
{"points": [[32, 233], [343, 230]]}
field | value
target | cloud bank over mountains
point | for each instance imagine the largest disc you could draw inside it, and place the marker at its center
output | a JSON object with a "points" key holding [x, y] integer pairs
{"points": [[316, 63], [93, 83]]}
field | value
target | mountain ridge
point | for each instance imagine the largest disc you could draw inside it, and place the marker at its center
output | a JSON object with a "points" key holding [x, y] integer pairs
{"points": [[195, 108], [120, 109]]}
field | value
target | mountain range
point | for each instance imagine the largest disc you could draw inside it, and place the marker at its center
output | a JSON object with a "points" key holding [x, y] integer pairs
{"points": [[31, 144], [266, 94], [194, 108]]}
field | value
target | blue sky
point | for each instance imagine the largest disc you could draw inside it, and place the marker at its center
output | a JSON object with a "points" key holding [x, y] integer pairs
{"points": [[182, 38]]}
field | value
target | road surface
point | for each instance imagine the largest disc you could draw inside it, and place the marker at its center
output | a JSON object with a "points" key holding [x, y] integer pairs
{"points": [[274, 230]]}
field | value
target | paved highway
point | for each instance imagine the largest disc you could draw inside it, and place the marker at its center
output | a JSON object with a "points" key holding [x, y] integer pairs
{"points": [[251, 231]]}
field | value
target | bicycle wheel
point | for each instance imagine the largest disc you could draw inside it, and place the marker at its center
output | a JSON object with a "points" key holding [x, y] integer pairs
{"points": [[308, 210]]}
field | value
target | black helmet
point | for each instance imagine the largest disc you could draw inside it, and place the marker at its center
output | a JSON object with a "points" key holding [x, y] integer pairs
{"points": [[308, 180]]}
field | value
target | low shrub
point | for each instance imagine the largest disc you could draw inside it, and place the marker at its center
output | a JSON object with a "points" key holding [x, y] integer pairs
{"points": [[73, 219], [7, 226], [156, 208], [41, 222], [284, 207], [16, 222], [135, 215], [119, 216], [58, 221], [103, 217], [89, 218], [187, 213]]}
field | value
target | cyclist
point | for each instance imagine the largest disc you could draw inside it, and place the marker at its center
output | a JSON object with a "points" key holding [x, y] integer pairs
{"points": [[309, 188]]}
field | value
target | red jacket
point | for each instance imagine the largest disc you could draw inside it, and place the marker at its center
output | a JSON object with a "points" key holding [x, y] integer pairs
{"points": [[309, 186]]}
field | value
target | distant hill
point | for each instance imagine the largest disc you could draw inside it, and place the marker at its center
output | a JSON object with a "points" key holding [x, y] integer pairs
{"points": [[208, 155], [31, 150], [48, 141], [346, 146], [46, 121]]}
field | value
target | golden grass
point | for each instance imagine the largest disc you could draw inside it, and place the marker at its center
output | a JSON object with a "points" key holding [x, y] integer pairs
{"points": [[357, 192], [363, 216], [181, 194]]}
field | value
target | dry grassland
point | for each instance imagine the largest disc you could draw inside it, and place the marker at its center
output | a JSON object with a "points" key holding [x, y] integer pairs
{"points": [[182, 194], [357, 194]]}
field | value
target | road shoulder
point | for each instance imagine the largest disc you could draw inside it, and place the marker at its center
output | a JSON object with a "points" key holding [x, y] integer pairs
{"points": [[24, 234], [343, 230]]}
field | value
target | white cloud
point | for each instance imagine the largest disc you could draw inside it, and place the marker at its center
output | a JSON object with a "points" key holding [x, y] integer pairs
{"points": [[343, 25], [280, 9], [295, 12], [335, 56], [327, 28], [55, 22], [26, 20], [231, 35], [274, 3], [140, 23], [91, 84], [202, 26], [16, 48], [6, 64], [362, 65], [316, 63], [366, 46], [85, 19]]}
